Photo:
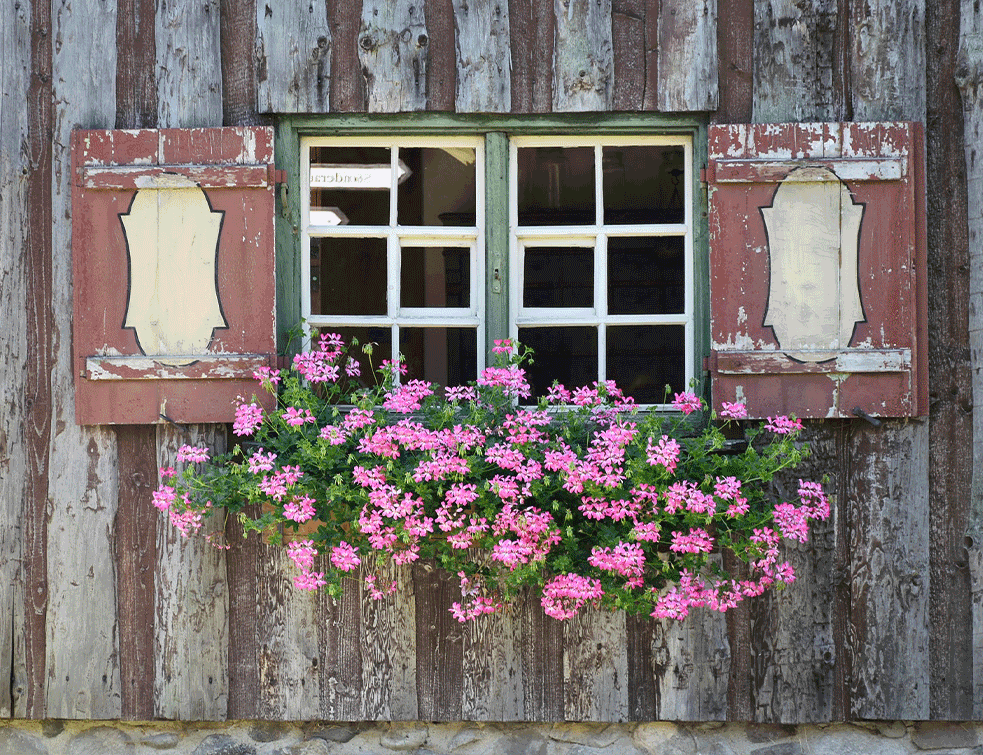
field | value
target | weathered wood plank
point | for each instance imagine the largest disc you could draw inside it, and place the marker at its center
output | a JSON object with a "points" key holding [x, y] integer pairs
{"points": [[189, 63], [595, 666], [238, 32], [293, 55], [969, 77], [793, 631], [491, 683], [441, 55], [340, 660], [687, 55], [439, 645], [393, 48], [389, 651], [532, 24], [796, 48], [82, 652], [347, 82], [653, 9], [630, 59], [136, 69], [583, 61], [889, 629], [191, 612], [735, 61], [243, 564], [951, 372], [543, 678], [135, 555], [15, 80], [484, 83], [690, 667]]}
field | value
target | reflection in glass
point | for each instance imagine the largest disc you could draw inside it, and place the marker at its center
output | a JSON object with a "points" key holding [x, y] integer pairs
{"points": [[355, 180], [435, 277], [643, 184], [643, 359], [556, 186], [348, 276], [566, 353], [558, 277], [439, 188], [446, 356], [646, 275]]}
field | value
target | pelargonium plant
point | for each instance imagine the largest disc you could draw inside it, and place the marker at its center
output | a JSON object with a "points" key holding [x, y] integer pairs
{"points": [[581, 495]]}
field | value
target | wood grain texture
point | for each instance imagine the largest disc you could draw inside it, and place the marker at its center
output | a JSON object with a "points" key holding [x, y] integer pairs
{"points": [[735, 61], [340, 660], [439, 644], [136, 69], [889, 628], [243, 563], [583, 61], [189, 63], [15, 120], [491, 680], [544, 680], [797, 47], [969, 77], [238, 33], [595, 666], [687, 55], [629, 48], [442, 64], [393, 46], [483, 34], [532, 25], [347, 81], [293, 57], [82, 650], [192, 605]]}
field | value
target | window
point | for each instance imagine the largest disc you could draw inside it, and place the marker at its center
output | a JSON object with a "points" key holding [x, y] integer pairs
{"points": [[580, 246]]}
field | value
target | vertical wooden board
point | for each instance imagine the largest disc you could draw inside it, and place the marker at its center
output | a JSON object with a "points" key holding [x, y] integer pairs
{"points": [[238, 32], [389, 650], [439, 644], [630, 60], [969, 77], [583, 61], [393, 47], [688, 55], [887, 60], [796, 45], [595, 666], [641, 678], [794, 638], [192, 612], [15, 51], [690, 667], [136, 70], [483, 36], [491, 684], [889, 526], [532, 25], [244, 563], [441, 55], [543, 680], [340, 660], [735, 61], [347, 82], [189, 63], [293, 57], [82, 652]]}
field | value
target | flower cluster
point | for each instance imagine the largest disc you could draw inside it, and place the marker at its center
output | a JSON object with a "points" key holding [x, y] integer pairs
{"points": [[581, 494]]}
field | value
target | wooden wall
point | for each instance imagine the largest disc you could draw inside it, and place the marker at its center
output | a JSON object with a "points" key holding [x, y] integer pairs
{"points": [[104, 613]]}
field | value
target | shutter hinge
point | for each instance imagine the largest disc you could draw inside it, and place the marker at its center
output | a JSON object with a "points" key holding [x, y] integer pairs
{"points": [[276, 176], [704, 175], [710, 362]]}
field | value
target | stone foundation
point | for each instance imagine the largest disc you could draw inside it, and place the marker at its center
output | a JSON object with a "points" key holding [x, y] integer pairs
{"points": [[265, 738]]}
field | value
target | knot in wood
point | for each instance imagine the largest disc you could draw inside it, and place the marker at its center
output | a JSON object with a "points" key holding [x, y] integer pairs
{"points": [[367, 43]]}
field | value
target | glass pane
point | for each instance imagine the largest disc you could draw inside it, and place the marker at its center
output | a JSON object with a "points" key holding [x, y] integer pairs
{"points": [[446, 356], [356, 341], [438, 187], [646, 275], [558, 277], [643, 359], [564, 353], [350, 185], [556, 186], [435, 277], [643, 184], [348, 276]]}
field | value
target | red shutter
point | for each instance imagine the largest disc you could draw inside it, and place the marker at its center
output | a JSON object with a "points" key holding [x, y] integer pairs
{"points": [[173, 259], [817, 268]]}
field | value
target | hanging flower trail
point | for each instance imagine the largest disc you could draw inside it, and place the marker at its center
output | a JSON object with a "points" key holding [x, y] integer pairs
{"points": [[583, 495]]}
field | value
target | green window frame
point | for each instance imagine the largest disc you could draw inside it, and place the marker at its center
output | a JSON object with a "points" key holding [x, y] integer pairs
{"points": [[500, 313]]}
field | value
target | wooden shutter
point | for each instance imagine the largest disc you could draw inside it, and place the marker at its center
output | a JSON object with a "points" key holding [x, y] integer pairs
{"points": [[817, 268], [174, 280]]}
